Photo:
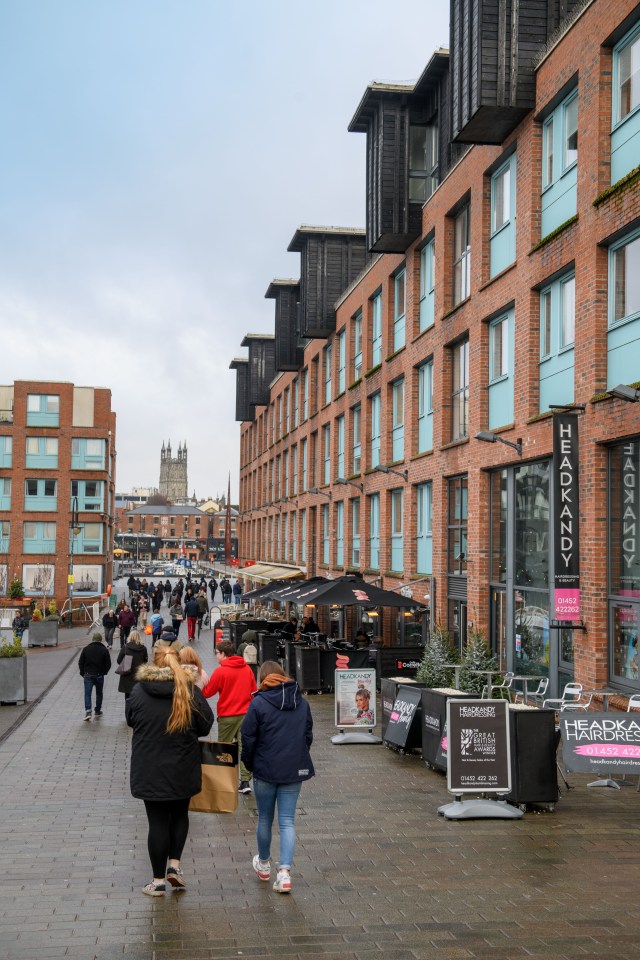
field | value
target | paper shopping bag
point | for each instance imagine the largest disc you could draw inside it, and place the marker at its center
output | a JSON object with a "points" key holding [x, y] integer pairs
{"points": [[219, 792]]}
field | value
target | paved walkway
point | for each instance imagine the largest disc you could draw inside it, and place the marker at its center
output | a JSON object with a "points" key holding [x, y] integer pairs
{"points": [[377, 873]]}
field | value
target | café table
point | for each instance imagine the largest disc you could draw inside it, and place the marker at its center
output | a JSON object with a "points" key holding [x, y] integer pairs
{"points": [[525, 681], [489, 674], [457, 667]]}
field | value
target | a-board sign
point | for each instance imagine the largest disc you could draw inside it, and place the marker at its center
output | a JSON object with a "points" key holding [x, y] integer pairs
{"points": [[402, 716], [355, 699], [478, 746], [596, 741]]}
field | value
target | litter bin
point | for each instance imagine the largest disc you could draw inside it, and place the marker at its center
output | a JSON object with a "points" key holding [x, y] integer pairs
{"points": [[267, 647], [307, 668]]}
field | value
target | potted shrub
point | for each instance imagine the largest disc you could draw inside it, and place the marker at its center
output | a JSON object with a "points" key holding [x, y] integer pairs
{"points": [[437, 652], [477, 656], [43, 631], [13, 671]]}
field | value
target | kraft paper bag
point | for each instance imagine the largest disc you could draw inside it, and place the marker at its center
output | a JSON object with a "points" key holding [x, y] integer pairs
{"points": [[219, 792]]}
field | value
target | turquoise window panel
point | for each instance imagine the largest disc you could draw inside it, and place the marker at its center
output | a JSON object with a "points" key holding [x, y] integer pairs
{"points": [[625, 135], [397, 553], [376, 330], [5, 502], [560, 159], [503, 217], [87, 453], [425, 407], [399, 310], [6, 451], [397, 443], [397, 530], [303, 536], [325, 533], [427, 286], [43, 410], [340, 534], [294, 538], [623, 358], [41, 453], [424, 537], [89, 540], [39, 538], [397, 427], [342, 361], [556, 380], [375, 430], [4, 536], [340, 459], [374, 531], [41, 503], [560, 202], [502, 363], [327, 454]]}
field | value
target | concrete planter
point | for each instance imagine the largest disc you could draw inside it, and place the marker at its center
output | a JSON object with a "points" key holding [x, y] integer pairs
{"points": [[43, 633], [13, 679]]}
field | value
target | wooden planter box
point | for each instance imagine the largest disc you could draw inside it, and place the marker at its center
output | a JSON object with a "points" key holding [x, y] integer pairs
{"points": [[43, 633], [13, 679]]}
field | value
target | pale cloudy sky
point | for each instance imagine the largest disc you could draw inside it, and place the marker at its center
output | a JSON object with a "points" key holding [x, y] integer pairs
{"points": [[156, 157]]}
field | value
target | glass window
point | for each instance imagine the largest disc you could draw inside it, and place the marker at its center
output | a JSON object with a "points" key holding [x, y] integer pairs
{"points": [[342, 361], [499, 348], [568, 308], [397, 420], [424, 527], [399, 298], [357, 449], [31, 488], [545, 323], [397, 522], [355, 532], [327, 374], [427, 284], [571, 132], [357, 345], [33, 445], [376, 330], [423, 161], [94, 448], [501, 204], [327, 453], [498, 534], [460, 391], [425, 407], [532, 525], [375, 429], [50, 488], [547, 152], [625, 285], [374, 531], [628, 76], [457, 524], [624, 519], [461, 256]]}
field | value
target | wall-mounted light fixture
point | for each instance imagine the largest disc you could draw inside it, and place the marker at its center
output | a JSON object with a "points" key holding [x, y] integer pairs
{"points": [[352, 483], [623, 392], [488, 437], [320, 493], [399, 473]]}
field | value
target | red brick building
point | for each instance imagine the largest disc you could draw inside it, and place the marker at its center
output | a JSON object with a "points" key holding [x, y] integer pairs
{"points": [[500, 294], [57, 483]]}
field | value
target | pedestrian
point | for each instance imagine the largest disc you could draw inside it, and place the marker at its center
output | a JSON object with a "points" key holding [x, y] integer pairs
{"points": [[109, 622], [234, 681], [191, 611], [126, 622], [136, 649], [157, 623], [189, 656], [167, 591], [176, 612], [168, 714], [213, 586], [94, 664], [143, 610], [225, 587], [277, 733], [132, 584], [237, 591], [203, 607], [157, 593]]}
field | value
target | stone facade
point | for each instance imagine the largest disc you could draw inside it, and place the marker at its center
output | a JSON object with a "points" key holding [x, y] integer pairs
{"points": [[173, 473]]}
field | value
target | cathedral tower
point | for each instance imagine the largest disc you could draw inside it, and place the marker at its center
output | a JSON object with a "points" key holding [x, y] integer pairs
{"points": [[173, 473]]}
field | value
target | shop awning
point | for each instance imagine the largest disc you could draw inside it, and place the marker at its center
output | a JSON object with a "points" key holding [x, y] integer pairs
{"points": [[268, 571]]}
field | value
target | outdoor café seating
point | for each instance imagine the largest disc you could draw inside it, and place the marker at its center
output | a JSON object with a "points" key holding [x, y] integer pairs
{"points": [[535, 697], [570, 695], [502, 689]]}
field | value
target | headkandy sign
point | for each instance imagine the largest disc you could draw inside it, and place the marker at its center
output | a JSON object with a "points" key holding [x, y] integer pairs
{"points": [[596, 740], [566, 519]]}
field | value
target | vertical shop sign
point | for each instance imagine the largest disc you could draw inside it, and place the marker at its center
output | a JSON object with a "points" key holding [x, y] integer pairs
{"points": [[630, 512], [566, 521]]}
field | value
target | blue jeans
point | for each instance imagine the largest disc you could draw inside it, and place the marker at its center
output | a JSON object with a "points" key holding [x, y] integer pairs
{"points": [[89, 684], [286, 795]]}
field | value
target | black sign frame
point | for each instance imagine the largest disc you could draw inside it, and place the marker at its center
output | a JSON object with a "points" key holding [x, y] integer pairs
{"points": [[595, 741], [403, 716], [478, 747], [566, 517]]}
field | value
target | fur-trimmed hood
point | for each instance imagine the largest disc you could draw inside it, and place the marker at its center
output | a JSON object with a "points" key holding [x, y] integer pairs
{"points": [[158, 681]]}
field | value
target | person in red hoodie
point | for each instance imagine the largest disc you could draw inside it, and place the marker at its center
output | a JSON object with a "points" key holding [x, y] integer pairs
{"points": [[234, 681]]}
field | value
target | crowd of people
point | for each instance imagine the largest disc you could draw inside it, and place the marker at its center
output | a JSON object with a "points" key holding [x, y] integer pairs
{"points": [[167, 694]]}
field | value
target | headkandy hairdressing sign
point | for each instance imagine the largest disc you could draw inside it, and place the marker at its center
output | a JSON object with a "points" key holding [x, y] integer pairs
{"points": [[566, 520]]}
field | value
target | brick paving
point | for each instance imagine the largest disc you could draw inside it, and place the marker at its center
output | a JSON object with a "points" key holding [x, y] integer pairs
{"points": [[377, 873]]}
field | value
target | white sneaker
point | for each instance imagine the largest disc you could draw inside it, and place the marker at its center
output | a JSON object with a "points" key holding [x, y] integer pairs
{"points": [[283, 882], [262, 868]]}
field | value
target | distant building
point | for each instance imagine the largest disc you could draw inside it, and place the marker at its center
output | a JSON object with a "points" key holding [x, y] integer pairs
{"points": [[57, 465], [155, 532], [173, 473]]}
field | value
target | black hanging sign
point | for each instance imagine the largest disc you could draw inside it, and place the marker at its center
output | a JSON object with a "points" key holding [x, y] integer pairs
{"points": [[566, 519], [478, 746]]}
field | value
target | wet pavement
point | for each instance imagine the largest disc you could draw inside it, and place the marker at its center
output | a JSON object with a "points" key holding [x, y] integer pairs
{"points": [[377, 873]]}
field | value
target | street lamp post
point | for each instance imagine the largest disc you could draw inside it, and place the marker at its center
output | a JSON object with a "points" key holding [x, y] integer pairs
{"points": [[74, 530]]}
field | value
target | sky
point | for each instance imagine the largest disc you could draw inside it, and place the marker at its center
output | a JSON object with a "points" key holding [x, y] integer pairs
{"points": [[156, 158]]}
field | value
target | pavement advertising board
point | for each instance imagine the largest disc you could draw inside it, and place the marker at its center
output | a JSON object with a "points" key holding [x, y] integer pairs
{"points": [[478, 746], [402, 715], [591, 741], [355, 698]]}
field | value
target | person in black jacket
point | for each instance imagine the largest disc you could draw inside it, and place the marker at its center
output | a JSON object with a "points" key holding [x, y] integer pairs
{"points": [[191, 611], [168, 713], [135, 648], [277, 732], [94, 663], [109, 622]]}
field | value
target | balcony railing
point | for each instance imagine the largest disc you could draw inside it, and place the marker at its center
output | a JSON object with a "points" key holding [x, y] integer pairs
{"points": [[6, 416]]}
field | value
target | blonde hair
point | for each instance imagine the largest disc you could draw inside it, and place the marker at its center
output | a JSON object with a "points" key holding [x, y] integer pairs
{"points": [[134, 637], [180, 718], [188, 655]]}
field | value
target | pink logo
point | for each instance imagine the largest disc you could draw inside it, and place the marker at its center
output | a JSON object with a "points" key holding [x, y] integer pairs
{"points": [[443, 744], [394, 715]]}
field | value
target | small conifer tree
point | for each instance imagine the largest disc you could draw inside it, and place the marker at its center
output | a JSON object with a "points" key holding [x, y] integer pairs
{"points": [[476, 656], [437, 652]]}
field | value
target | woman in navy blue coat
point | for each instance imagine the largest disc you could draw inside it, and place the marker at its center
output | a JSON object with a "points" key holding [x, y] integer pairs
{"points": [[277, 732]]}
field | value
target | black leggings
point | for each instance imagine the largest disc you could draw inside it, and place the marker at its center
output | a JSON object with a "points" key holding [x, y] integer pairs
{"points": [[168, 829]]}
